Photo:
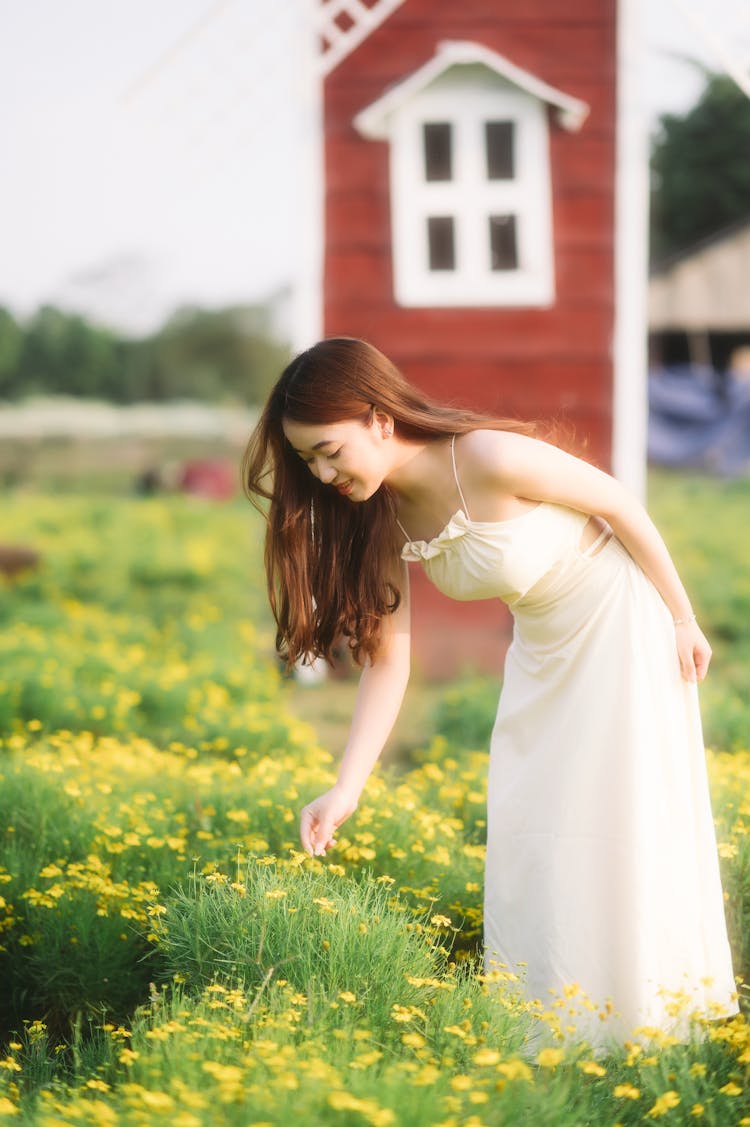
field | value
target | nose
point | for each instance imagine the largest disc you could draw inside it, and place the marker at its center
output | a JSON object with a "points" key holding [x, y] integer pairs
{"points": [[323, 470]]}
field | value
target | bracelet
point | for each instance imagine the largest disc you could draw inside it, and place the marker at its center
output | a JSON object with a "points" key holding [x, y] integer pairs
{"points": [[684, 621]]}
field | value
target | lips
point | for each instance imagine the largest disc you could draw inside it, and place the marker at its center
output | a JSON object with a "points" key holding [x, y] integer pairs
{"points": [[345, 487]]}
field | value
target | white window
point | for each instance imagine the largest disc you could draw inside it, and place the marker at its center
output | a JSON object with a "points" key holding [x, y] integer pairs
{"points": [[470, 178], [470, 194]]}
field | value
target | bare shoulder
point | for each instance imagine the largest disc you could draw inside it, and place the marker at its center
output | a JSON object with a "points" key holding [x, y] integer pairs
{"points": [[517, 465], [498, 454]]}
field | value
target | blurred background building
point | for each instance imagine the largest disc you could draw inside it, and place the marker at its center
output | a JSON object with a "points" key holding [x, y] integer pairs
{"points": [[197, 190]]}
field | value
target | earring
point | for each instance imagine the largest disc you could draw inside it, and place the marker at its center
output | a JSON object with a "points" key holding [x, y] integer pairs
{"points": [[387, 432]]}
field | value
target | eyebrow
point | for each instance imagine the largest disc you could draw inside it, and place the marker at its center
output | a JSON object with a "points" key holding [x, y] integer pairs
{"points": [[318, 445]]}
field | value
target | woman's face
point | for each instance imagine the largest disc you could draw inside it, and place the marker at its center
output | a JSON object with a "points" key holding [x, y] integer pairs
{"points": [[350, 456]]}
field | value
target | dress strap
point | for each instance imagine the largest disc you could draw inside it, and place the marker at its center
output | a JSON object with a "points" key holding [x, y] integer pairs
{"points": [[458, 486], [455, 474]]}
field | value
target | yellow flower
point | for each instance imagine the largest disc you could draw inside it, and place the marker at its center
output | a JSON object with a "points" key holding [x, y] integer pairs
{"points": [[515, 1069], [413, 1040], [550, 1058], [591, 1068], [461, 1083], [731, 1089], [6, 1107], [347, 996], [697, 1069], [485, 1058], [365, 1060], [157, 1101], [697, 1110], [663, 1104], [627, 1092]]}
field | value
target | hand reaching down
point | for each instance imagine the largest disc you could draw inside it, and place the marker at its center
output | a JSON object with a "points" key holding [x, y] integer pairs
{"points": [[322, 817]]}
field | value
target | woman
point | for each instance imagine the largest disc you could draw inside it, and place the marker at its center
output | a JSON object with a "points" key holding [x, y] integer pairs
{"points": [[601, 869]]}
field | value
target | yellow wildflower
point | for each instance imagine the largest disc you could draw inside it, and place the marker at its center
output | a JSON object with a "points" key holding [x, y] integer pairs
{"points": [[485, 1058], [591, 1068], [516, 1069], [663, 1104], [461, 1083], [550, 1058], [627, 1092]]}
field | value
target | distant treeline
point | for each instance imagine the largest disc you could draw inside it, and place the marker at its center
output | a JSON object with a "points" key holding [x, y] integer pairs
{"points": [[228, 354]]}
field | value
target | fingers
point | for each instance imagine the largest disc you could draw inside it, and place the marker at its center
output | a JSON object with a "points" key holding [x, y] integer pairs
{"points": [[316, 835], [307, 830], [702, 662], [694, 664]]}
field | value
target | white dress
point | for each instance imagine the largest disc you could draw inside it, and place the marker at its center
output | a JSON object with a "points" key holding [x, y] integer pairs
{"points": [[602, 870]]}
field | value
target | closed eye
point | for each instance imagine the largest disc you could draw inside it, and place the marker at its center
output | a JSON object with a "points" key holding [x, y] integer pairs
{"points": [[331, 457]]}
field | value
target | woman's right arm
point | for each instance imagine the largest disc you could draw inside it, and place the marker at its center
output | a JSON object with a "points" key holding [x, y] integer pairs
{"points": [[381, 690]]}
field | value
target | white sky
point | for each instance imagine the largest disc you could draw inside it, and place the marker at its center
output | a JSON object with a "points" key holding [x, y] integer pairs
{"points": [[153, 150]]}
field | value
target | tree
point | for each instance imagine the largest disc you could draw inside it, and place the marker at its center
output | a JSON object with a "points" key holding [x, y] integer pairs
{"points": [[700, 168], [211, 354], [11, 345], [65, 355]]}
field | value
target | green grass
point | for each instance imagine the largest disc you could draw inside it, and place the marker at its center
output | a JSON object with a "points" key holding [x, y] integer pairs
{"points": [[167, 956]]}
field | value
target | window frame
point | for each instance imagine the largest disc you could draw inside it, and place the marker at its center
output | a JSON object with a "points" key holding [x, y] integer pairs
{"points": [[468, 97]]}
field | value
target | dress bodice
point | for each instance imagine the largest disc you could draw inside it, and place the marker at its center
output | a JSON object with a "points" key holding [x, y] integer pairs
{"points": [[498, 559]]}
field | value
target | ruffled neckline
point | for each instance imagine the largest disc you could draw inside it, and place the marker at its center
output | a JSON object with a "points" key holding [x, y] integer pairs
{"points": [[415, 550], [459, 524]]}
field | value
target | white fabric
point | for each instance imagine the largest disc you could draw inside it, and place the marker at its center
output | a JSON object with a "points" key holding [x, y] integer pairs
{"points": [[602, 869]]}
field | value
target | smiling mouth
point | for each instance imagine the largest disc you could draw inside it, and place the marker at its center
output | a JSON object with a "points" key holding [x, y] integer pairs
{"points": [[345, 487]]}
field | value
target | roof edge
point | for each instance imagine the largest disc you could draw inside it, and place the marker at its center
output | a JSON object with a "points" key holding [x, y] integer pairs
{"points": [[664, 265], [371, 122]]}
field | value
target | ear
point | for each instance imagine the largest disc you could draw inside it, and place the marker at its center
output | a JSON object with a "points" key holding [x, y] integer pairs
{"points": [[384, 422]]}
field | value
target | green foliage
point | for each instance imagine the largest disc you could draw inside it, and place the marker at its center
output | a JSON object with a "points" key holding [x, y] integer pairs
{"points": [[208, 354], [227, 354], [704, 523], [465, 714], [139, 622], [11, 346], [167, 956], [700, 170]]}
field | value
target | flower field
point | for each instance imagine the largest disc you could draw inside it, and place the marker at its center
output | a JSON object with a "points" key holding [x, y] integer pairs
{"points": [[167, 955]]}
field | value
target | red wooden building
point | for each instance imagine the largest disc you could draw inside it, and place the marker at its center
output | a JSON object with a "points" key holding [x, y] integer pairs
{"points": [[478, 166]]}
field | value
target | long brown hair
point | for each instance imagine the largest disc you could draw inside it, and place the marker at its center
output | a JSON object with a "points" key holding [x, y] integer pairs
{"points": [[330, 563]]}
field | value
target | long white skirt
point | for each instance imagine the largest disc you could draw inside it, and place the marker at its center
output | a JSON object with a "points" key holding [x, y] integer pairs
{"points": [[602, 877]]}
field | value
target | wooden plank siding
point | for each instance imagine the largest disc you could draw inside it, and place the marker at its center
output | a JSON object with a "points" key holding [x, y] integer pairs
{"points": [[526, 362]]}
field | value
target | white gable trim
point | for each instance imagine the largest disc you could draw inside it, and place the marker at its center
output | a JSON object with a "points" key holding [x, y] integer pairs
{"points": [[372, 122]]}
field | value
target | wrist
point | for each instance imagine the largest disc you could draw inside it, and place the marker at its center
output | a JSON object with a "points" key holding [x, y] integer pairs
{"points": [[684, 620], [348, 790]]}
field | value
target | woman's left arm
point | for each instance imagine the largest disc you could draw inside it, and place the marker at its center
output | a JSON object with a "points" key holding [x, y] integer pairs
{"points": [[527, 467]]}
